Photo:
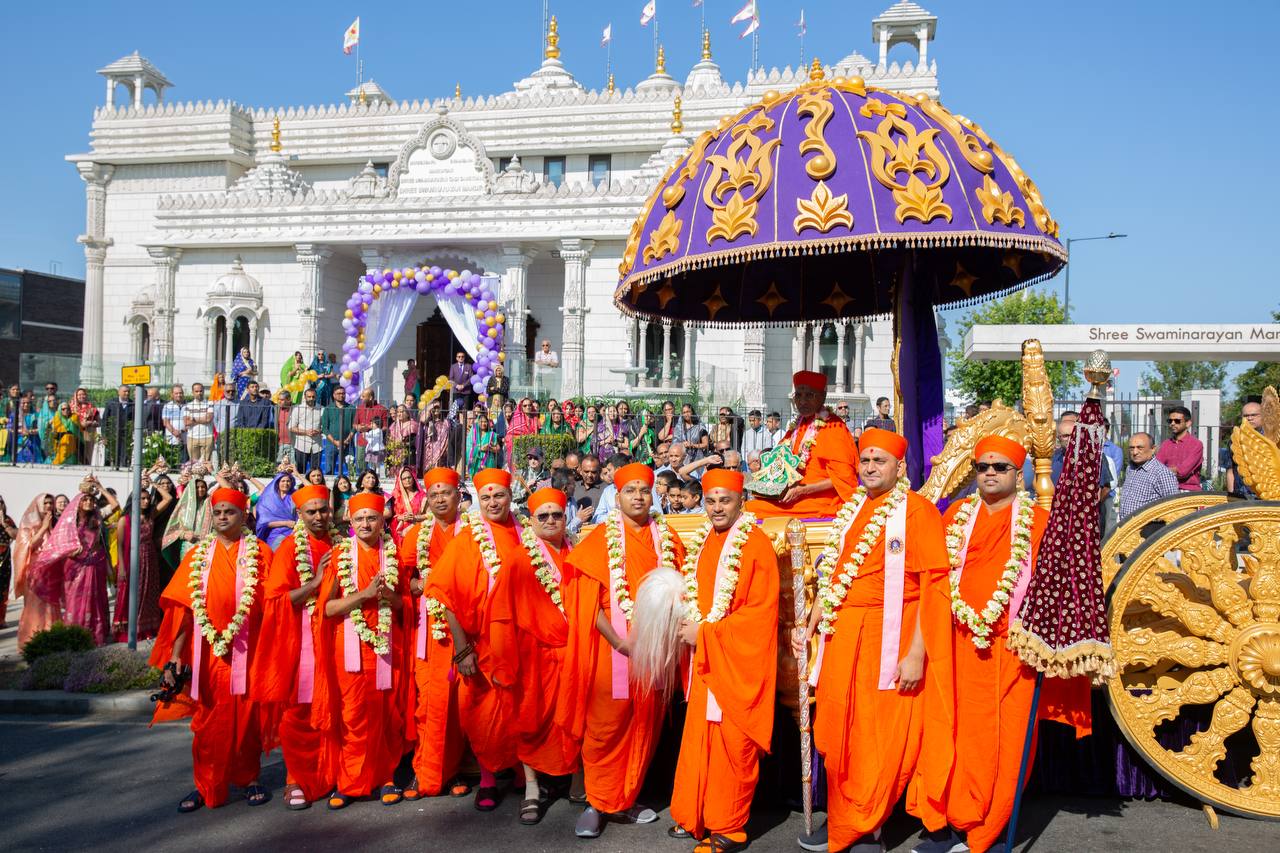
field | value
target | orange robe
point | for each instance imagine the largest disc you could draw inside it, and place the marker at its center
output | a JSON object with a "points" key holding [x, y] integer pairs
{"points": [[992, 691], [231, 731], [534, 632], [734, 660], [310, 755], [485, 700], [370, 726], [871, 738], [834, 457], [618, 736], [440, 743]]}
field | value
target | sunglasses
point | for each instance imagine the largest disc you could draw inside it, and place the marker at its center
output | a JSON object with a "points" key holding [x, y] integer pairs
{"points": [[1174, 421], [544, 517], [1000, 467]]}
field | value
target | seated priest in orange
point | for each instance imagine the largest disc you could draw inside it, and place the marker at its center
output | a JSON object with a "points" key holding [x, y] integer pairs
{"points": [[615, 721], [288, 670], [884, 554], [440, 742], [466, 583], [212, 624], [731, 605], [531, 623], [819, 448], [365, 695]]}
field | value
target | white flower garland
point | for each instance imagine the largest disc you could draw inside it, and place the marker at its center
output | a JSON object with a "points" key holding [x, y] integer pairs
{"points": [[221, 640], [379, 640], [728, 585], [811, 434], [619, 590], [422, 547], [302, 557], [541, 570], [833, 584], [981, 623], [488, 550]]}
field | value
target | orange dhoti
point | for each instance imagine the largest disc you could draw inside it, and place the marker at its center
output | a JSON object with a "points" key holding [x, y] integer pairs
{"points": [[834, 457]]}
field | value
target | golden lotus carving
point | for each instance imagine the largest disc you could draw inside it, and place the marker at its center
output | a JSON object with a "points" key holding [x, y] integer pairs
{"points": [[899, 150], [822, 211], [997, 205], [817, 105], [665, 238], [733, 206]]}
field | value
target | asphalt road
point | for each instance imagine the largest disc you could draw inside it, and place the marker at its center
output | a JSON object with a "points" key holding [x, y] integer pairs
{"points": [[108, 785]]}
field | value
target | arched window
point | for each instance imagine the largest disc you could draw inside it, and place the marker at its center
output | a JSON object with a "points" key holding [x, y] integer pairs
{"points": [[240, 335], [219, 344], [144, 343]]}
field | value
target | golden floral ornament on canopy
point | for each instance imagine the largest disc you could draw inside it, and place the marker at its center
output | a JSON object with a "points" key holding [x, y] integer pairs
{"points": [[731, 176]]}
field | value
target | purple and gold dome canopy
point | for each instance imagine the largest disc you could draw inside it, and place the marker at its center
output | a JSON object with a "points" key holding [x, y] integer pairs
{"points": [[805, 206]]}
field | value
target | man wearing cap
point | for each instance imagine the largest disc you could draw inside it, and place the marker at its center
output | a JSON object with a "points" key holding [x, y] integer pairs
{"points": [[440, 744], [885, 551], [289, 628], [529, 626], [465, 583], [825, 449], [212, 623], [365, 693], [616, 723], [731, 629]]}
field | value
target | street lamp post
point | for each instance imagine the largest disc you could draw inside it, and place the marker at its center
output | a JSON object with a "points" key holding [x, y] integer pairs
{"points": [[1066, 289]]}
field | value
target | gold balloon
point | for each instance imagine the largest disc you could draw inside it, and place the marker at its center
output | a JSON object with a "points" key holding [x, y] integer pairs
{"points": [[346, 374], [493, 306], [479, 315], [502, 356], [377, 289], [349, 314], [360, 345], [493, 333], [501, 318], [488, 321]]}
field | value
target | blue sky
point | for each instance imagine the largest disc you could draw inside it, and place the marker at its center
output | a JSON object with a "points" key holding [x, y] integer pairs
{"points": [[1152, 119]]}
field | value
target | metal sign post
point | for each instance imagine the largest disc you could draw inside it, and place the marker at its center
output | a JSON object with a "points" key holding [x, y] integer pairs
{"points": [[139, 377]]}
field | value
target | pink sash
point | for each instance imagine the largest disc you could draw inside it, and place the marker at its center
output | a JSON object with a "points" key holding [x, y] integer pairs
{"points": [[1024, 576], [239, 643], [351, 642], [618, 620], [714, 715], [307, 659], [422, 603]]}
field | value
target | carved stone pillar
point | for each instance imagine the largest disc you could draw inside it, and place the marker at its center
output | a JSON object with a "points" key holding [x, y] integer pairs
{"points": [[137, 91], [753, 360], [95, 176], [375, 258], [211, 353], [859, 356], [797, 349], [165, 260], [575, 253], [311, 259], [642, 359], [841, 375], [815, 355], [690, 349], [666, 353], [515, 285]]}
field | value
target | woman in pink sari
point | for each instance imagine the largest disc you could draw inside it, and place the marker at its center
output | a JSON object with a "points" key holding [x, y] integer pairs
{"points": [[408, 504], [72, 566], [33, 528], [150, 582], [523, 422]]}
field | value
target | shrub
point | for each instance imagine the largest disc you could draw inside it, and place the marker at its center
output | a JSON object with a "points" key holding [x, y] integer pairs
{"points": [[255, 450], [553, 446], [48, 672], [110, 669], [57, 638]]}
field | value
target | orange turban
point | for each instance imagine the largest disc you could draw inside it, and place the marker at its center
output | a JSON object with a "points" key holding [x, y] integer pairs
{"points": [[310, 493], [548, 496], [435, 476], [366, 500], [229, 496], [491, 477], [890, 442], [634, 471], [722, 478], [1006, 447], [809, 379]]}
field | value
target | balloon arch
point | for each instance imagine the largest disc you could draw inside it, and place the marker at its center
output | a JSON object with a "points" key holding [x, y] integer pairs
{"points": [[469, 294]]}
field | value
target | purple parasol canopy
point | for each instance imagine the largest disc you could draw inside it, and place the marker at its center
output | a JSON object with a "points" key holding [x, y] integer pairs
{"points": [[801, 206]]}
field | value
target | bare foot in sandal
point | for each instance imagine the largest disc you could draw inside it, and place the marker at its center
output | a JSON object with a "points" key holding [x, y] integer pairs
{"points": [[295, 799]]}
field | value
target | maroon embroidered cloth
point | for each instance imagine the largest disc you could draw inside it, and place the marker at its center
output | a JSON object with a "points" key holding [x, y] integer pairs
{"points": [[1061, 628]]}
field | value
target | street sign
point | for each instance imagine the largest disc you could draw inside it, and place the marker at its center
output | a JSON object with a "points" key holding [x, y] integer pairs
{"points": [[137, 374]]}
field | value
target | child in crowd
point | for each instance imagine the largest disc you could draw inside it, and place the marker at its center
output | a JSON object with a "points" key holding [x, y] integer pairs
{"points": [[692, 491], [662, 485]]}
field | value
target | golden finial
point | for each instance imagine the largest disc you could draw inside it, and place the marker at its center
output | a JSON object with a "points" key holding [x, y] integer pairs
{"points": [[706, 44], [815, 71], [457, 91], [275, 135], [661, 67], [677, 118], [610, 87], [362, 98], [553, 39]]}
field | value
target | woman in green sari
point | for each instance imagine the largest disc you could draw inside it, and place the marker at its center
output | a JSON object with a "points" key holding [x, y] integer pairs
{"points": [[585, 434], [482, 446], [555, 424], [292, 371], [65, 428]]}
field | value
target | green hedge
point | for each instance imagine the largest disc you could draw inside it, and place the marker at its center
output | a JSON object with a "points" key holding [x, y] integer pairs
{"points": [[553, 446], [254, 449], [57, 638]]}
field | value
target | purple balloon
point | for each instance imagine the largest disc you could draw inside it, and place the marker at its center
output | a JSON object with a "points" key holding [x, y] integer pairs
{"points": [[366, 287], [371, 278]]}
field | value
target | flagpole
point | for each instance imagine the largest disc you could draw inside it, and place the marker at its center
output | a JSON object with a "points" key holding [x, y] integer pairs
{"points": [[655, 36], [542, 34]]}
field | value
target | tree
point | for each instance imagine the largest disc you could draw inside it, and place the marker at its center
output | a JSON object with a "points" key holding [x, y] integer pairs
{"points": [[1251, 382], [1172, 379], [989, 380]]}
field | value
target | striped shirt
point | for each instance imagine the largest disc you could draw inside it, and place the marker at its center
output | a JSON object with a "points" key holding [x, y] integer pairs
{"points": [[1145, 484]]}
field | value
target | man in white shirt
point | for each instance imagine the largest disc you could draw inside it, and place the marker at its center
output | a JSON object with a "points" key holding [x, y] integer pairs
{"points": [[755, 438], [774, 425], [304, 427], [545, 363], [175, 428], [197, 418]]}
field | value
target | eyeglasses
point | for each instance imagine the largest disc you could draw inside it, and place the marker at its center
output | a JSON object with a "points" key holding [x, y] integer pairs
{"points": [[1000, 467], [1174, 421], [544, 517]]}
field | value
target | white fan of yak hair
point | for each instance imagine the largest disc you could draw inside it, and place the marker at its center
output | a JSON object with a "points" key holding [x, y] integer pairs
{"points": [[655, 630]]}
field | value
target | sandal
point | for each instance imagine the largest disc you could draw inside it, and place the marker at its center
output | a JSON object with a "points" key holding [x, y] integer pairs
{"points": [[717, 843], [411, 791], [257, 795], [295, 799], [190, 802], [390, 794], [530, 812], [339, 801], [458, 788], [678, 831], [486, 799]]}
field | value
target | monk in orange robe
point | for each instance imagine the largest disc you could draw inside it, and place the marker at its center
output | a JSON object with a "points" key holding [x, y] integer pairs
{"points": [[530, 628], [230, 729], [440, 742], [289, 630], [732, 676], [364, 690], [465, 583], [616, 723], [826, 450], [871, 672]]}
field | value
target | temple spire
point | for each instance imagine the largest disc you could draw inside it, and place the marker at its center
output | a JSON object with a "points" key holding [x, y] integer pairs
{"points": [[677, 118], [275, 136], [661, 67], [553, 40], [706, 44]]}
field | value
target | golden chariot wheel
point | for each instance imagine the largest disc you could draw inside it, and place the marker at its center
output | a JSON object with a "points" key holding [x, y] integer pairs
{"points": [[1194, 618], [1127, 536]]}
